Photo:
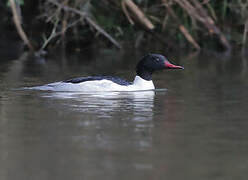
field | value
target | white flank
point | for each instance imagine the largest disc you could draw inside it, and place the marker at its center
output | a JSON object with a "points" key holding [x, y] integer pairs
{"points": [[139, 84]]}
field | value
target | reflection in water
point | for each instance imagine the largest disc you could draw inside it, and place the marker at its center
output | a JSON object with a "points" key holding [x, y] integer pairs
{"points": [[129, 107], [105, 101], [125, 109]]}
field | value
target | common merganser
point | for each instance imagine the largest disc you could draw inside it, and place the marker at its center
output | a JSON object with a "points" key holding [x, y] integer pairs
{"points": [[143, 79]]}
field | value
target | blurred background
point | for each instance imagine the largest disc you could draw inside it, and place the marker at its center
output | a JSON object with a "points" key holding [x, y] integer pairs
{"points": [[193, 126]]}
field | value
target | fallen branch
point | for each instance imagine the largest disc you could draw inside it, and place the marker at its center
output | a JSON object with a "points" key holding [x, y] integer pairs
{"points": [[17, 23], [138, 14], [196, 11], [88, 20], [210, 24], [183, 30]]}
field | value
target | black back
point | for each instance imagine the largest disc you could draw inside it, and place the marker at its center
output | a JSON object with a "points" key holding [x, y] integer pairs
{"points": [[116, 80]]}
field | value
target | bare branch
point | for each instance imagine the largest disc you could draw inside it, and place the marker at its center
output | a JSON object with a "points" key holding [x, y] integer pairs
{"points": [[19, 28], [88, 20]]}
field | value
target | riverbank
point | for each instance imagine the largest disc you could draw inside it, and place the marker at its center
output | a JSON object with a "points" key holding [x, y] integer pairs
{"points": [[186, 24]]}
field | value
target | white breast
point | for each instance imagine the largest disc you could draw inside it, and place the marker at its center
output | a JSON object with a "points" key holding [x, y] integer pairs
{"points": [[139, 84]]}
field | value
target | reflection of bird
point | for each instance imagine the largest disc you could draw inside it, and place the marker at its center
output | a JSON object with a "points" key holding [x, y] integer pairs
{"points": [[143, 80]]}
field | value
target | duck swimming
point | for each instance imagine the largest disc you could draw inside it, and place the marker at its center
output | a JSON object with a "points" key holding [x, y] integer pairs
{"points": [[142, 81]]}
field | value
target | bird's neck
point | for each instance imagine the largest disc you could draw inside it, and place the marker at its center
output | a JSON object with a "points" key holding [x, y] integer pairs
{"points": [[144, 74]]}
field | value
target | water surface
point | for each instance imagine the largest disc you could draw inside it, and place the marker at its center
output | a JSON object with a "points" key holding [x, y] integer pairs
{"points": [[195, 129]]}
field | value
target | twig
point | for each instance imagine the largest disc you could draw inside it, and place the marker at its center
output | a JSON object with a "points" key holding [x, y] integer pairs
{"points": [[64, 21], [123, 5], [103, 32], [245, 32], [54, 34], [166, 17]]}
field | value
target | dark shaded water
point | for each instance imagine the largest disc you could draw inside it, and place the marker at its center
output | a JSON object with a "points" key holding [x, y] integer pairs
{"points": [[196, 129]]}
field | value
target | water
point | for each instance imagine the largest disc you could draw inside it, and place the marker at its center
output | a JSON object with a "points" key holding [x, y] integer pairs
{"points": [[194, 127]]}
